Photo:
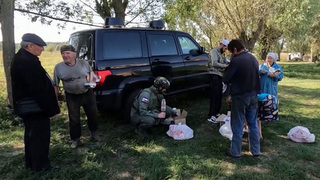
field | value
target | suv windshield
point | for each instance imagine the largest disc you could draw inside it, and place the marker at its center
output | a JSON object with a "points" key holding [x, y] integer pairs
{"points": [[83, 45]]}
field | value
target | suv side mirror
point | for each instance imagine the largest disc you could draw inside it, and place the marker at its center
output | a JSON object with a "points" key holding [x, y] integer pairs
{"points": [[196, 52], [202, 50]]}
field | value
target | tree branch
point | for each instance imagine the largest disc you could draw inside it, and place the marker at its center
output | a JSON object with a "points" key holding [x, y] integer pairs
{"points": [[140, 12], [94, 10], [58, 19]]}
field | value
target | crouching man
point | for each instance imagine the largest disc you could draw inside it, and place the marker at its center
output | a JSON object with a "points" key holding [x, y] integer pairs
{"points": [[146, 109]]}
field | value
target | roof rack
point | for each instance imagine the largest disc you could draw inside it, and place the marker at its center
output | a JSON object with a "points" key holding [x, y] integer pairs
{"points": [[157, 24], [113, 22]]}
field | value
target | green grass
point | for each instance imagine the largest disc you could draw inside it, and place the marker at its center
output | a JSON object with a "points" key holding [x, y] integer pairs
{"points": [[124, 155]]}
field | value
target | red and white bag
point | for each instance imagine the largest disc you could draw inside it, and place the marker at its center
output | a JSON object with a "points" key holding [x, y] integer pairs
{"points": [[180, 131], [301, 134]]}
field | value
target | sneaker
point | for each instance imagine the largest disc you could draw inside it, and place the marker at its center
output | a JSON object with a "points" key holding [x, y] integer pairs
{"points": [[75, 143], [95, 136], [213, 119]]}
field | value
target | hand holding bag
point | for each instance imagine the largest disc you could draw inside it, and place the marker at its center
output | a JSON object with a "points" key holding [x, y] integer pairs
{"points": [[27, 106]]}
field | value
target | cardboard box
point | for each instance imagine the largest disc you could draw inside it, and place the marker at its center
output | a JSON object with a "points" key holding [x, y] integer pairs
{"points": [[182, 117]]}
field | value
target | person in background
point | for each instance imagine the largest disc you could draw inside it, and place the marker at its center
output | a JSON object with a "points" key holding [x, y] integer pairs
{"points": [[74, 74], [217, 65], [30, 80], [243, 75], [271, 73], [146, 109]]}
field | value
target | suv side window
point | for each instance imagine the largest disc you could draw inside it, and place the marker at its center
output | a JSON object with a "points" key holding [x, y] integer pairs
{"points": [[162, 45], [186, 44], [83, 45], [120, 45]]}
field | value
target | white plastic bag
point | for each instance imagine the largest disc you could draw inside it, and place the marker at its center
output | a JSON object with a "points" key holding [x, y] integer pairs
{"points": [[225, 129], [180, 131], [301, 134]]}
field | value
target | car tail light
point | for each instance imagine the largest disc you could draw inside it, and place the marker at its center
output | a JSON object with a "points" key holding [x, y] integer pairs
{"points": [[102, 76]]}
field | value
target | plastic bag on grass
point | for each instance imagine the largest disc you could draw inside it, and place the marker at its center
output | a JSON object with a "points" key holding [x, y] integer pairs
{"points": [[225, 129], [301, 134], [180, 131]]}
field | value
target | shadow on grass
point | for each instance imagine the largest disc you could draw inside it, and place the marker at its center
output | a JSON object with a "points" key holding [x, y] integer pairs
{"points": [[124, 155]]}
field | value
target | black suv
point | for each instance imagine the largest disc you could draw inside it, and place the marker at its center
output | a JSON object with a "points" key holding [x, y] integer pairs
{"points": [[128, 59]]}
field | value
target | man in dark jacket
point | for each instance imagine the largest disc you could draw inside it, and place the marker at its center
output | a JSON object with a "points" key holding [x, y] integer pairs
{"points": [[30, 80], [243, 75]]}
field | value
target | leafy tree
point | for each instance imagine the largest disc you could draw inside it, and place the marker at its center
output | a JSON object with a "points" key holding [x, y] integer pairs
{"points": [[86, 10], [46, 11], [315, 47], [295, 19], [269, 39], [242, 19], [189, 16]]}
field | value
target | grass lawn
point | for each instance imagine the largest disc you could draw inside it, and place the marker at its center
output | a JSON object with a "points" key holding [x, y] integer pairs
{"points": [[125, 155]]}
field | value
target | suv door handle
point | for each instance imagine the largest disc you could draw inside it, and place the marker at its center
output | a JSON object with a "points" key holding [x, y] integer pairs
{"points": [[136, 72], [187, 58]]}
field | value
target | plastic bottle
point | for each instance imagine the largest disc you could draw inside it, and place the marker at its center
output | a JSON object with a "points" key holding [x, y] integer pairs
{"points": [[163, 105]]}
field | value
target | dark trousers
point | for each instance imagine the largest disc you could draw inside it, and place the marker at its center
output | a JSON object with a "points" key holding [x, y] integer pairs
{"points": [[215, 96], [147, 122], [74, 103], [36, 141]]}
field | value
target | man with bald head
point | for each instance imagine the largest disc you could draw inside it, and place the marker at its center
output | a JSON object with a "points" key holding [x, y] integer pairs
{"points": [[75, 74]]}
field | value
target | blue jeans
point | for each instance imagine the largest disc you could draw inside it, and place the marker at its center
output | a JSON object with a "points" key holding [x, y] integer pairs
{"points": [[244, 108]]}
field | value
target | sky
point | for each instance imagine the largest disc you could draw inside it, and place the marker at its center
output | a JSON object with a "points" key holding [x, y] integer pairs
{"points": [[22, 25]]}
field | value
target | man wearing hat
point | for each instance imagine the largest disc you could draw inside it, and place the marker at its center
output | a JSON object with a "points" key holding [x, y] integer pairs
{"points": [[217, 65], [75, 74], [31, 81]]}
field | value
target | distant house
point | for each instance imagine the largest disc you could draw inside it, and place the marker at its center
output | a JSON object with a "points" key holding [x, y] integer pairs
{"points": [[294, 56]]}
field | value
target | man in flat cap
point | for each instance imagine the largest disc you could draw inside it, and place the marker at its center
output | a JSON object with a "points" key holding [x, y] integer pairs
{"points": [[75, 75], [217, 65], [30, 82]]}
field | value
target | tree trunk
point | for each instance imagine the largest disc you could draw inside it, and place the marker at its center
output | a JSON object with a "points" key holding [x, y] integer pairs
{"points": [[103, 8], [119, 8], [7, 27], [250, 40], [281, 47]]}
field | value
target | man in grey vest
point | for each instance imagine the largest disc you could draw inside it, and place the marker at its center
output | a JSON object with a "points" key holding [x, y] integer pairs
{"points": [[217, 65]]}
